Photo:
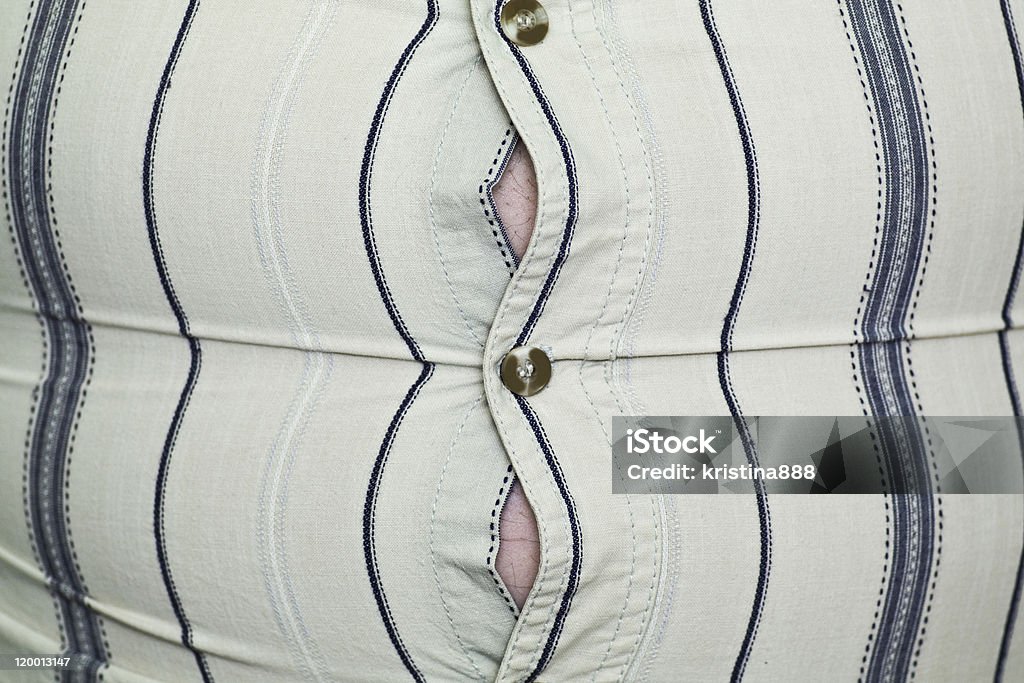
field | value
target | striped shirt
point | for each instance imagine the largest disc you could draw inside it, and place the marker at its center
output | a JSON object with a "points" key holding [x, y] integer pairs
{"points": [[256, 296]]}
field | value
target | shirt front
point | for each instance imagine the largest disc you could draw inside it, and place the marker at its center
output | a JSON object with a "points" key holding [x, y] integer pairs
{"points": [[256, 304]]}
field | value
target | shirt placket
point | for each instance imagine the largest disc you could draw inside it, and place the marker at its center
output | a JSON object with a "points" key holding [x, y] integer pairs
{"points": [[553, 347]]}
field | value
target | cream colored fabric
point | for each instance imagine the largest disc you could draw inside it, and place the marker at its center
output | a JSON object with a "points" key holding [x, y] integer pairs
{"points": [[293, 491]]}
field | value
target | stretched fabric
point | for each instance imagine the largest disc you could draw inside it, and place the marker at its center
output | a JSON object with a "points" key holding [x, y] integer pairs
{"points": [[255, 297]]}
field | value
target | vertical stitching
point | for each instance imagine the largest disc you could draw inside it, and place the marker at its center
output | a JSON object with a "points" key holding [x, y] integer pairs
{"points": [[654, 165], [528, 489], [1004, 350], [574, 572], [365, 178], [616, 338], [888, 307], [538, 586], [878, 167], [537, 310], [934, 177], [544, 538], [495, 532], [562, 252], [531, 249], [888, 519], [1015, 53], [275, 478], [625, 185], [1011, 611], [728, 329], [939, 518], [91, 360], [651, 159], [430, 536], [430, 202], [68, 343], [620, 327], [632, 527], [907, 347], [369, 242], [195, 349], [275, 475], [485, 190], [369, 523], [32, 421], [857, 337], [668, 534], [590, 335]]}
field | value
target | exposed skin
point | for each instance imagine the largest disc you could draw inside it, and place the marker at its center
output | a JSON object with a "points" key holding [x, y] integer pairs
{"points": [[519, 552], [515, 197]]}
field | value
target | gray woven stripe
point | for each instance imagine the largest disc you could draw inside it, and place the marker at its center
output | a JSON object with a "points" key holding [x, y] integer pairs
{"points": [[68, 337]]}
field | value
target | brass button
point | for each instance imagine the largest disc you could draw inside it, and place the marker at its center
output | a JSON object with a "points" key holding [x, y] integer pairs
{"points": [[524, 21], [525, 370]]}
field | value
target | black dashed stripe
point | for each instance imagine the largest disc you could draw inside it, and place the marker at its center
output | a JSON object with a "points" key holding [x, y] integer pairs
{"points": [[67, 337]]}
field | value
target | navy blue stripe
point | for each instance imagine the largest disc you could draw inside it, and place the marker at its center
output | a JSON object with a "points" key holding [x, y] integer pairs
{"points": [[531, 322], [1014, 606], [1004, 348], [898, 110], [195, 350], [369, 241], [886, 308], [68, 336], [728, 328], [570, 173], [577, 539], [369, 521], [1018, 64], [1008, 374], [913, 520], [365, 177]]}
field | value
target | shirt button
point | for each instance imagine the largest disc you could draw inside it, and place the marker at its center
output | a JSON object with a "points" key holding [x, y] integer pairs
{"points": [[525, 370], [524, 21]]}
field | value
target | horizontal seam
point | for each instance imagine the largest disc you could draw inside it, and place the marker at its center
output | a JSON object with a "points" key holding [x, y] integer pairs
{"points": [[245, 342], [787, 347], [559, 357]]}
